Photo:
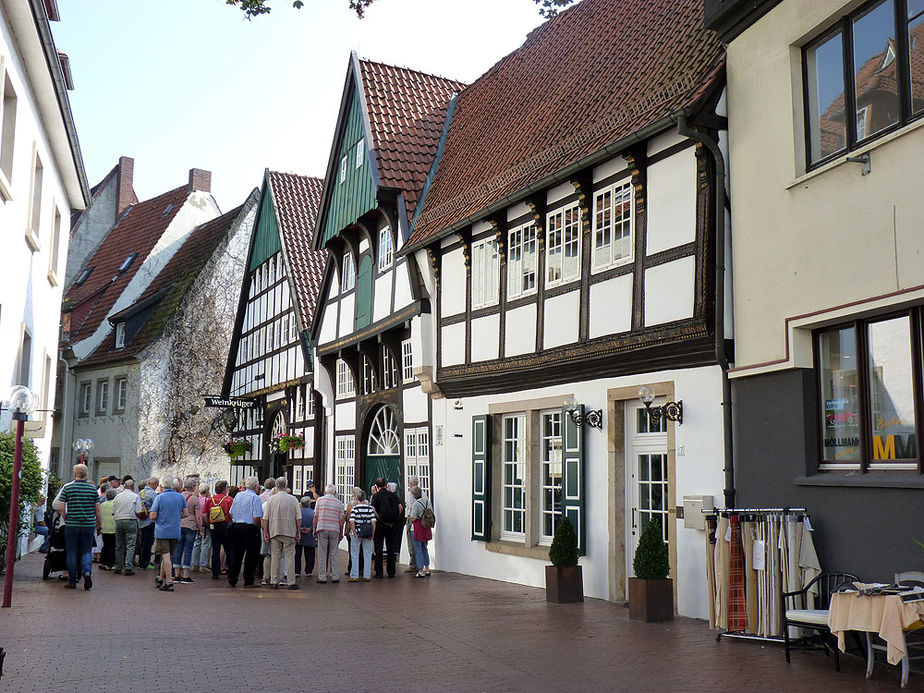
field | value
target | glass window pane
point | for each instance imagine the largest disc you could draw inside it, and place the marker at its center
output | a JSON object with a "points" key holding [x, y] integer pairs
{"points": [[916, 57], [643, 467], [824, 69], [875, 70], [839, 396], [891, 390]]}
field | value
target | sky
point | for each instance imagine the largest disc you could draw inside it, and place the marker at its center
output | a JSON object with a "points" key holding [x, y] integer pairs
{"points": [[178, 84]]}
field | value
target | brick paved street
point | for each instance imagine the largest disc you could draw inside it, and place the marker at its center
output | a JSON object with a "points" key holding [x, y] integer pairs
{"points": [[448, 633]]}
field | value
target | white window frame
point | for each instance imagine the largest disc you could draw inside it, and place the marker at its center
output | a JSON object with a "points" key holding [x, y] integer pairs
{"points": [[34, 225], [121, 391], [8, 109], [370, 382], [566, 224], [343, 169], [348, 274], [547, 444], [102, 396], [522, 261], [417, 457], [120, 335], [386, 248], [345, 466], [389, 369], [518, 459], [346, 387], [54, 254], [86, 398], [485, 273], [604, 221], [360, 152], [407, 361]]}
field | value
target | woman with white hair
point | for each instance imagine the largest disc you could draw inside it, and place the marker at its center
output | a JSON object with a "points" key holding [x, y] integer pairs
{"points": [[362, 527]]}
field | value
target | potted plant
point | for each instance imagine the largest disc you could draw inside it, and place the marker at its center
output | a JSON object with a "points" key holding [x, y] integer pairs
{"points": [[564, 579], [651, 592], [283, 443], [238, 448]]}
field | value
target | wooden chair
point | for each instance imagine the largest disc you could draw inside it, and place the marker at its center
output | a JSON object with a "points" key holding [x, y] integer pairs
{"points": [[814, 619], [914, 637]]}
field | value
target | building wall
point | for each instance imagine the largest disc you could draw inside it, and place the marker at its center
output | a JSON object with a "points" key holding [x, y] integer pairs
{"points": [[829, 238], [93, 229]]}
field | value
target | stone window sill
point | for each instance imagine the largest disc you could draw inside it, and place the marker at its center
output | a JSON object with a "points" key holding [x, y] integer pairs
{"points": [[882, 479], [513, 549]]}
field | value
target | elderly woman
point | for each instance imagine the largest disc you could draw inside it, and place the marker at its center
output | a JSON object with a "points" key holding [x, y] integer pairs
{"points": [[107, 555], [362, 527], [190, 529], [421, 534], [306, 544]]}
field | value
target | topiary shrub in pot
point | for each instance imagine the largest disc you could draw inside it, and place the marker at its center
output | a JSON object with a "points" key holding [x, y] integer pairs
{"points": [[651, 592], [564, 579]]}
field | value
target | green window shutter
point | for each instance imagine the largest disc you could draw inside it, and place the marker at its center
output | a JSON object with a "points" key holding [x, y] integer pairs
{"points": [[481, 478], [364, 292], [573, 476]]}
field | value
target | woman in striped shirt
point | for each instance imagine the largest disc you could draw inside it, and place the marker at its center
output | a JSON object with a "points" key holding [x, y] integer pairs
{"points": [[362, 527]]}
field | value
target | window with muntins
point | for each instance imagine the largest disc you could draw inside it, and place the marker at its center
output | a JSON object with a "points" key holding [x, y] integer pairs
{"points": [[120, 335], [417, 457], [86, 398], [551, 474], [360, 151], [869, 383], [348, 273], [121, 388], [343, 169], [870, 64], [563, 246], [485, 273], [612, 226], [407, 361], [345, 467], [389, 369], [102, 396], [513, 484], [521, 260], [369, 380], [386, 248], [346, 387]]}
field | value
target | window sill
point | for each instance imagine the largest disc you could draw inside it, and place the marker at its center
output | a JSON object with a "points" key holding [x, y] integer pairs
{"points": [[52, 278], [514, 549], [32, 240], [859, 151], [882, 479], [5, 188]]}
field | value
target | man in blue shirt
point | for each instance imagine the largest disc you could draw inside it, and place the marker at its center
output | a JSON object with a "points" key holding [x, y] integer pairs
{"points": [[246, 518], [169, 507]]}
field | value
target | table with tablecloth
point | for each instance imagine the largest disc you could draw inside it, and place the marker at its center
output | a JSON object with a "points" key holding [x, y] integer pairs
{"points": [[884, 614]]}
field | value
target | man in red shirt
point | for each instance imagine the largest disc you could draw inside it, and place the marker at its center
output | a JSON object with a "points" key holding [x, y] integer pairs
{"points": [[220, 529]]}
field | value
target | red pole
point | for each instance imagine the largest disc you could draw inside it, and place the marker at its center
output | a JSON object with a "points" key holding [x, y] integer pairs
{"points": [[14, 517]]}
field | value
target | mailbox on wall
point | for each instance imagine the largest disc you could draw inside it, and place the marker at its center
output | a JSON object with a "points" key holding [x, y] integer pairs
{"points": [[693, 507]]}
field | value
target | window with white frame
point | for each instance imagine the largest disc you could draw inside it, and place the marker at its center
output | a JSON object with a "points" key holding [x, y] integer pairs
{"points": [[86, 398], [309, 407], [360, 151], [521, 261], [120, 335], [293, 328], [612, 226], [300, 403], [389, 369], [55, 248], [343, 169], [349, 272], [417, 457], [121, 392], [345, 467], [407, 361], [33, 233], [513, 480], [369, 380], [485, 273], [102, 396], [550, 479], [563, 246], [386, 248], [346, 386], [7, 132]]}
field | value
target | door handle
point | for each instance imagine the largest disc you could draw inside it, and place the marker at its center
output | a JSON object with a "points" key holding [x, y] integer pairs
{"points": [[634, 520]]}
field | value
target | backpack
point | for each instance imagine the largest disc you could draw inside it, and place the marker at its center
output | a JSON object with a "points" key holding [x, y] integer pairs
{"points": [[216, 512], [144, 510], [427, 517], [389, 510], [364, 529]]}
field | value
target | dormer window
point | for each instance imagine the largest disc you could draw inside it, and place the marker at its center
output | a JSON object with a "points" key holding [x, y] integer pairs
{"points": [[349, 273], [83, 277], [127, 262], [167, 210], [343, 169], [360, 152], [120, 335]]}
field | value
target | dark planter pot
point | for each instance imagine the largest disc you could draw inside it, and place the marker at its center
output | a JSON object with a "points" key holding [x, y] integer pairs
{"points": [[564, 585], [651, 601]]}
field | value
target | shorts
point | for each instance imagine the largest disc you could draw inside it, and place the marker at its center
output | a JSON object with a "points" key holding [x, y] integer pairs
{"points": [[162, 546]]}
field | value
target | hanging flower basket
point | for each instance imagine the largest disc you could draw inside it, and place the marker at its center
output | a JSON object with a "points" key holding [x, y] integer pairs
{"points": [[238, 448], [284, 443]]}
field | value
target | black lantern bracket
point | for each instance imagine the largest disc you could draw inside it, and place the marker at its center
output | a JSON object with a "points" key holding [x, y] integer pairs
{"points": [[671, 411]]}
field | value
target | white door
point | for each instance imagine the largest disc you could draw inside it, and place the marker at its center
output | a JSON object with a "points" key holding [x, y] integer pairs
{"points": [[647, 482]]}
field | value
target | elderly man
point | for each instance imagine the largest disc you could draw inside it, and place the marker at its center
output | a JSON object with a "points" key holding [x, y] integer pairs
{"points": [[145, 524], [412, 483], [80, 511], [282, 524], [168, 510], [246, 519], [127, 510], [328, 531]]}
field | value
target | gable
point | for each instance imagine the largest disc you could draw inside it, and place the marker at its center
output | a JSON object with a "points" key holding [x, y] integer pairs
{"points": [[266, 242], [353, 189]]}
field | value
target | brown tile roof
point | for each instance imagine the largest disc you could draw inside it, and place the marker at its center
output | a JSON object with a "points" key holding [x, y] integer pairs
{"points": [[598, 72], [137, 231], [406, 111], [173, 282], [296, 200]]}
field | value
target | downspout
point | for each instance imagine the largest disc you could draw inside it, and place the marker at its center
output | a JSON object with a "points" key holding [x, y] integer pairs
{"points": [[65, 417], [692, 131]]}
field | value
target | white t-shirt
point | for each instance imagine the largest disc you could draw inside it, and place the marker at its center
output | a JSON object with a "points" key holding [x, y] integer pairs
{"points": [[125, 505]]}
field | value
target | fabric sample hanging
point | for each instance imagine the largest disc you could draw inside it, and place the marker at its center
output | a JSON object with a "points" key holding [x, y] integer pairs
{"points": [[721, 574], [737, 606]]}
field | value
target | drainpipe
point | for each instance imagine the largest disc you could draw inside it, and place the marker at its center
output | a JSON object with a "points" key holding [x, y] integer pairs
{"points": [[693, 131], [65, 417]]}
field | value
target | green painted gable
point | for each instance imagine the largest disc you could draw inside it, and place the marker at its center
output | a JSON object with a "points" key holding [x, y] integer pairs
{"points": [[354, 196], [266, 241]]}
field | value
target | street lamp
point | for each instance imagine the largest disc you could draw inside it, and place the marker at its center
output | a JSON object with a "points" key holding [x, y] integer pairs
{"points": [[21, 404], [82, 447], [671, 411]]}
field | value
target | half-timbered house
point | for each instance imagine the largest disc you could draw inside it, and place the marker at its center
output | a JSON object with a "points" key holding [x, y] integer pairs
{"points": [[269, 371], [371, 328], [574, 222]]}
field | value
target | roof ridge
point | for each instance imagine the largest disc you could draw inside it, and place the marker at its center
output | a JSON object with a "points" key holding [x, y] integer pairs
{"points": [[414, 70]]}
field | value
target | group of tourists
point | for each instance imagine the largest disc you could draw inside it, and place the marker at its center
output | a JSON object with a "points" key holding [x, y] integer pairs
{"points": [[177, 526]]}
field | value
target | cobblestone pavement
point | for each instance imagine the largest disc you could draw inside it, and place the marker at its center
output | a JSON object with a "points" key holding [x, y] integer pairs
{"points": [[447, 633]]}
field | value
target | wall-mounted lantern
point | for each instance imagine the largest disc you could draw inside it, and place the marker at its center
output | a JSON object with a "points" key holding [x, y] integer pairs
{"points": [[672, 411]]}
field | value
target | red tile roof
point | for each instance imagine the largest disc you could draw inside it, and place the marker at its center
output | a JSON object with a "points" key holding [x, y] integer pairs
{"points": [[598, 72], [406, 111], [137, 231], [173, 281], [296, 200]]}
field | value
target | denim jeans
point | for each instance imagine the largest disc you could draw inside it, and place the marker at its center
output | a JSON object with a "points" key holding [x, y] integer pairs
{"points": [[355, 546], [42, 531], [182, 555], [147, 542], [422, 555], [79, 543], [202, 550]]}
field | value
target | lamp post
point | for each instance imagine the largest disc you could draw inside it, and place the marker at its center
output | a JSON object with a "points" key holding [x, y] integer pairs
{"points": [[22, 402], [82, 447]]}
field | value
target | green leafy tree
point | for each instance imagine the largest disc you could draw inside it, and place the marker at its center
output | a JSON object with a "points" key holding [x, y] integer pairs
{"points": [[31, 482], [564, 550], [651, 560], [254, 8]]}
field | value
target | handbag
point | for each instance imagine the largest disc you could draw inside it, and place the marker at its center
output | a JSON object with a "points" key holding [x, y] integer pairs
{"points": [[364, 531]]}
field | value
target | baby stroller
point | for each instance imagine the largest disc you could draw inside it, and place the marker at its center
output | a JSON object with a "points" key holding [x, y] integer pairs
{"points": [[56, 556]]}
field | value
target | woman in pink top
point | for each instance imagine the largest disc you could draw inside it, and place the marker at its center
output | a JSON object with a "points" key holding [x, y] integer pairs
{"points": [[190, 529]]}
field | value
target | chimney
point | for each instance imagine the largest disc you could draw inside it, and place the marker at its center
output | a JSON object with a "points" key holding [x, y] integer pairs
{"points": [[125, 193], [200, 180]]}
